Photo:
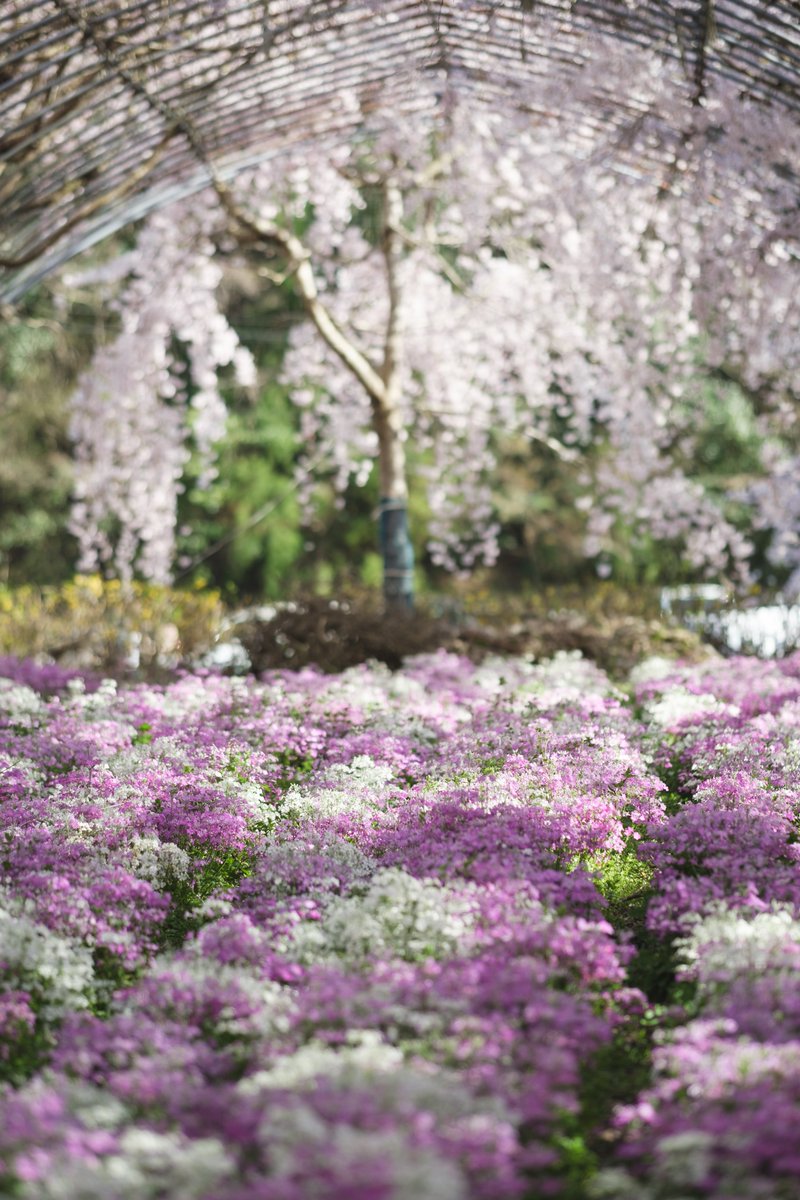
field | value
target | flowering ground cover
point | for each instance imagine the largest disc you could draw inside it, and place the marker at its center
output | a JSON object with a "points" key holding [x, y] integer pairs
{"points": [[446, 933]]}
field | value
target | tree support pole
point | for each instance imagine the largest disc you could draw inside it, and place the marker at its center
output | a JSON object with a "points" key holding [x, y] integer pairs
{"points": [[398, 555]]}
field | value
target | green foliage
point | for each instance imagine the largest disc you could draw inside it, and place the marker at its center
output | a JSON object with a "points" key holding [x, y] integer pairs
{"points": [[90, 620], [255, 480], [22, 1056], [727, 439], [720, 448], [621, 877], [110, 976], [38, 367], [615, 1075], [213, 873], [542, 529]]}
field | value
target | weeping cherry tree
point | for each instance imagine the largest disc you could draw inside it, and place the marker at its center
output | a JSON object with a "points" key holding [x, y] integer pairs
{"points": [[465, 269]]}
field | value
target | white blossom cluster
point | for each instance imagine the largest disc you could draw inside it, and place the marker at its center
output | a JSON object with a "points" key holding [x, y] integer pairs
{"points": [[393, 702], [297, 1135], [70, 804], [728, 943], [367, 1062], [366, 1052], [33, 774], [515, 788], [131, 760], [130, 417], [229, 773], [145, 1164], [398, 916], [729, 1059], [677, 704], [345, 862], [148, 1165], [361, 784], [160, 863], [21, 704], [684, 1162], [570, 668], [92, 704], [56, 970], [655, 666], [535, 284]]}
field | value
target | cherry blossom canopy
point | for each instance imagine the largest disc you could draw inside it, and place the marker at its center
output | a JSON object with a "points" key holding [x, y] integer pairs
{"points": [[110, 109]]}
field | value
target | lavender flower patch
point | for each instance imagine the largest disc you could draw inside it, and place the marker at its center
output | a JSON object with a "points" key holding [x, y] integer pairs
{"points": [[721, 1115], [385, 936]]}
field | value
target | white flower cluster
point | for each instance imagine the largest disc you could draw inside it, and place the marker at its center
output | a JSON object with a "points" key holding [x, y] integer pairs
{"points": [[517, 788], [171, 750], [684, 1162], [214, 908], [248, 794], [678, 705], [92, 704], [296, 1132], [791, 754], [147, 1166], [729, 943], [158, 862], [69, 805], [128, 762], [398, 916], [222, 773], [365, 1053], [57, 971], [362, 687], [567, 676], [712, 1058], [394, 702], [21, 704], [33, 774], [345, 861], [360, 785], [655, 666]]}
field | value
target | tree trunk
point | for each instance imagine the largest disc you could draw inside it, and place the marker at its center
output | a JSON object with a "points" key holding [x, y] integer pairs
{"points": [[380, 383], [396, 547]]}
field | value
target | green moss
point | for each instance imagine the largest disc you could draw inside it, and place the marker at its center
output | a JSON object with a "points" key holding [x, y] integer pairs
{"points": [[622, 878]]}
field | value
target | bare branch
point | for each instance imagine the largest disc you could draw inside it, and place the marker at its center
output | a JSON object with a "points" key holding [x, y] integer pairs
{"points": [[299, 260], [392, 252], [565, 453]]}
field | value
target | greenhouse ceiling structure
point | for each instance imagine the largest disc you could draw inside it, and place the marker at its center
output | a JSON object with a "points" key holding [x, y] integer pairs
{"points": [[110, 109]]}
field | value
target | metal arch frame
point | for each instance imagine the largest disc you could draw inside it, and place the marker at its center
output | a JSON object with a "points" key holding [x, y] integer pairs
{"points": [[108, 109]]}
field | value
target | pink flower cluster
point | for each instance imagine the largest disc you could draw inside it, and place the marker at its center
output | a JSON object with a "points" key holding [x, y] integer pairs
{"points": [[309, 935], [730, 736], [722, 1116], [364, 936]]}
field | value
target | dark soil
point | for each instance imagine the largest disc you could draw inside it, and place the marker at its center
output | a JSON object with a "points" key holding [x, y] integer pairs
{"points": [[335, 635]]}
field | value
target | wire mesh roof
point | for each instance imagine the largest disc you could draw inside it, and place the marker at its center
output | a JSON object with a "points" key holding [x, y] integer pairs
{"points": [[112, 108]]}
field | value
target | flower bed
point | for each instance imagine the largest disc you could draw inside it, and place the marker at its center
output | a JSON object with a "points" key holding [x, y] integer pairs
{"points": [[455, 931]]}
